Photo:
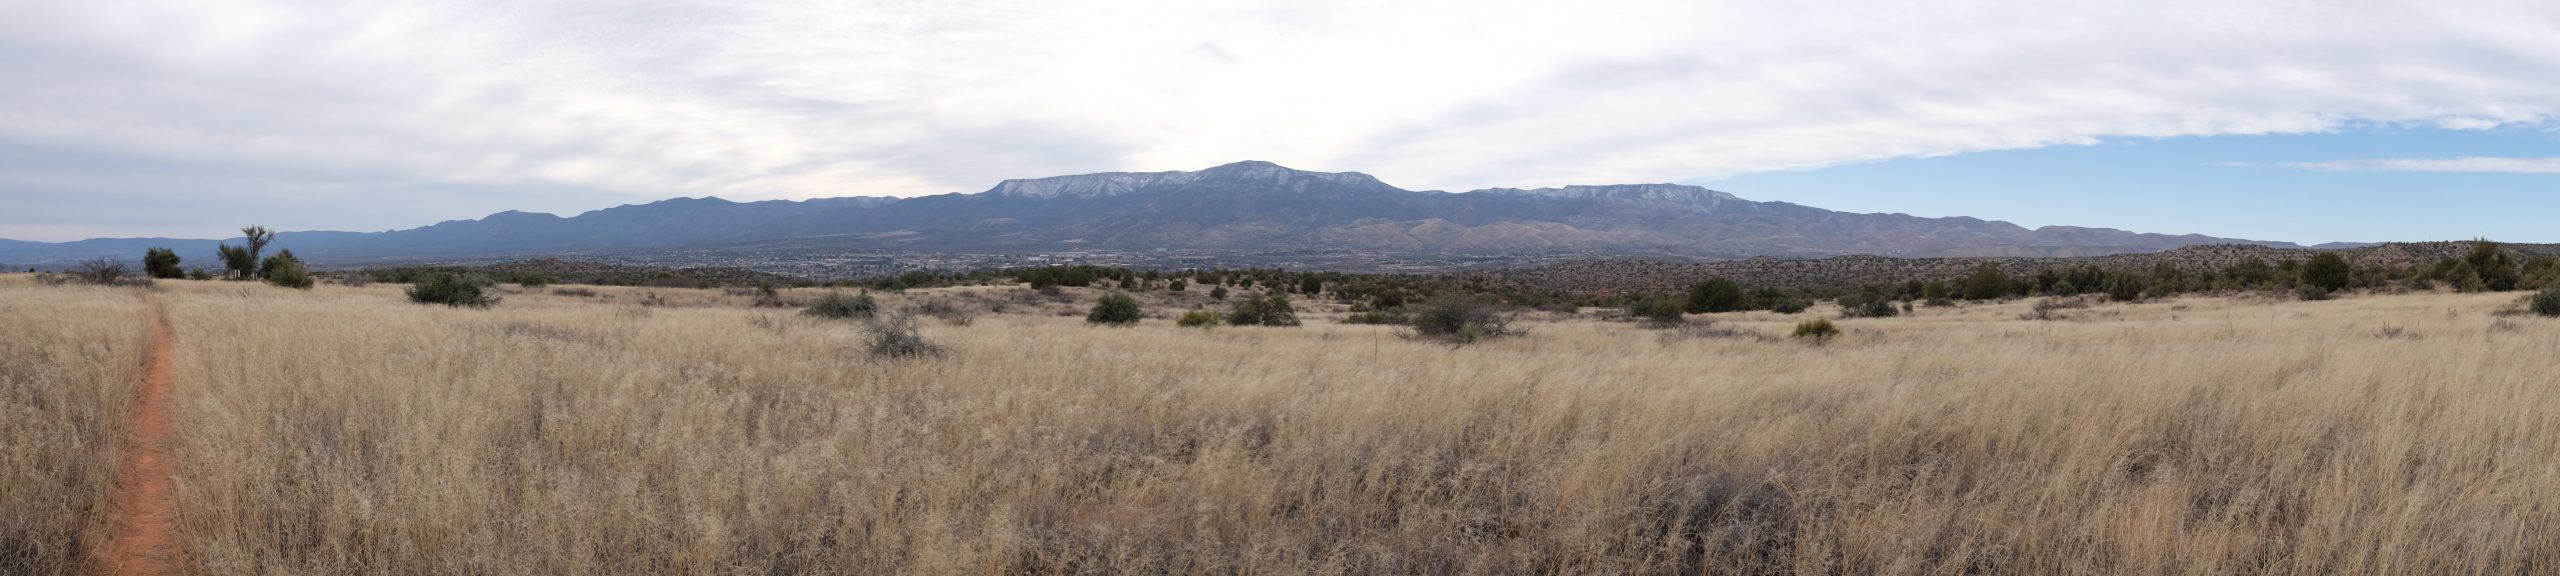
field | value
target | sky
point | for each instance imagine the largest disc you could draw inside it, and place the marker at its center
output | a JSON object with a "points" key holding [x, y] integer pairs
{"points": [[2305, 121]]}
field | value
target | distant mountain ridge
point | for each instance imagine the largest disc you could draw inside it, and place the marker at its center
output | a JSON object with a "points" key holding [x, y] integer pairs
{"points": [[1248, 205]]}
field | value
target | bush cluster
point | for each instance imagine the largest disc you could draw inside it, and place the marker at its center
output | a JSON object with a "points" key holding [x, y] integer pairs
{"points": [[839, 306], [1115, 309], [1818, 330], [450, 290], [1460, 320], [1271, 309]]}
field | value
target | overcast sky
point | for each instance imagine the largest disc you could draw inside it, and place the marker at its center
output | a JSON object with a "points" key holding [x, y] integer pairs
{"points": [[190, 118]]}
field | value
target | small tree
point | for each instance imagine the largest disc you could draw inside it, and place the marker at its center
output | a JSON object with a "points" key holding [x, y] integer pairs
{"points": [[237, 262], [1987, 283], [1310, 285], [2328, 271], [1115, 309], [162, 263], [1714, 295], [102, 271], [2496, 270]]}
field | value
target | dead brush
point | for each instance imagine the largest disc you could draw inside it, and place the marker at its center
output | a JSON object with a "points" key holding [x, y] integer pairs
{"points": [[2051, 308]]}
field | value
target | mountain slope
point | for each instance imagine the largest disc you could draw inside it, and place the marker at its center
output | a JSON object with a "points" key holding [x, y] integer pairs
{"points": [[1241, 206]]}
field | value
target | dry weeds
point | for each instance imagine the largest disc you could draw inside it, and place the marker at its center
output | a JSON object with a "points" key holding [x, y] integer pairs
{"points": [[339, 431]]}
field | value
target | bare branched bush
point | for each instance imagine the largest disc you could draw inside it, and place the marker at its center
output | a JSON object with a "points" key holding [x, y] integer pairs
{"points": [[101, 271], [894, 335]]}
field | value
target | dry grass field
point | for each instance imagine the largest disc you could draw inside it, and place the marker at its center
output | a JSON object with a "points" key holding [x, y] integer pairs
{"points": [[667, 431], [70, 357]]}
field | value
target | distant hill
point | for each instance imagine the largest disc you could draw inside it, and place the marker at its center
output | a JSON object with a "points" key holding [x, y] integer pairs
{"points": [[1240, 206], [1639, 276]]}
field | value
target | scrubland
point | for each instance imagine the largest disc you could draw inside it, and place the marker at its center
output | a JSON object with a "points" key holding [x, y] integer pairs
{"points": [[672, 431]]}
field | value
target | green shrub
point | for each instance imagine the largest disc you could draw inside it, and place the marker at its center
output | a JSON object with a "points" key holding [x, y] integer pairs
{"points": [[450, 290], [1789, 305], [1714, 295], [2311, 293], [1376, 317], [1272, 309], [839, 306], [1115, 308], [1459, 320], [2328, 271], [1657, 312], [161, 263], [1819, 331], [2546, 302], [1176, 285], [1197, 319], [1987, 283], [284, 270], [1218, 293], [1867, 305]]}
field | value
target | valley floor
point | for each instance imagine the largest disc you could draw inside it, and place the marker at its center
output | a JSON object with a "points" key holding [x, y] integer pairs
{"points": [[584, 430]]}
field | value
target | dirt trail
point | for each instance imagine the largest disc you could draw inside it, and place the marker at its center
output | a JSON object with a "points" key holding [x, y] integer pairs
{"points": [[141, 539]]}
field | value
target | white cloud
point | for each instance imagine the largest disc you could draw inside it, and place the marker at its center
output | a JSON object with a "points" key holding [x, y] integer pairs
{"points": [[657, 98], [2473, 164]]}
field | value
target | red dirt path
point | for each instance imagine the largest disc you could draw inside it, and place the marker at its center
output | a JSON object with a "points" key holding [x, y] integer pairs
{"points": [[141, 541]]}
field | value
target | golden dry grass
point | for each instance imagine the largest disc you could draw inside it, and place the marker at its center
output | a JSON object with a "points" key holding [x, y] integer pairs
{"points": [[345, 431], [70, 357]]}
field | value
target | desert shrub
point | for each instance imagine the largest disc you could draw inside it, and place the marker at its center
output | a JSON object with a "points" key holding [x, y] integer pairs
{"points": [[1657, 312], [1460, 320], [1197, 319], [1272, 309], [284, 270], [1987, 283], [1818, 330], [1376, 317], [1116, 309], [2311, 293], [2495, 270], [161, 263], [1714, 295], [839, 306], [767, 296], [450, 290], [574, 291], [198, 274], [2546, 302], [2328, 271], [2046, 309], [1867, 305], [1789, 305], [1177, 285], [1218, 293], [894, 335], [102, 271]]}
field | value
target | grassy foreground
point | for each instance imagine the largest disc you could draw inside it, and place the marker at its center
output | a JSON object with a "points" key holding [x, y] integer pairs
{"points": [[676, 431]]}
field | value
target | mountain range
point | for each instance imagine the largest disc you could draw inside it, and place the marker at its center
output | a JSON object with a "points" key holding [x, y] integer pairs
{"points": [[1248, 205]]}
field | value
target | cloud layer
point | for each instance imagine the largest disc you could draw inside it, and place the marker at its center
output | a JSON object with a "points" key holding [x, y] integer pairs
{"points": [[2477, 164], [378, 114]]}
